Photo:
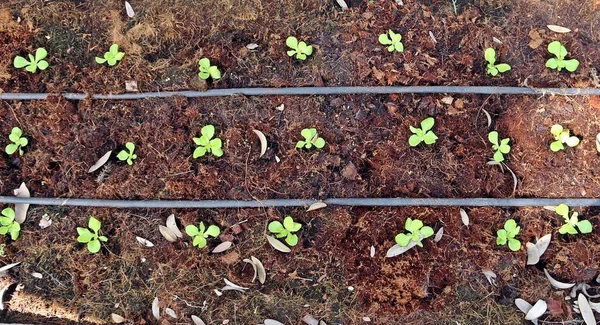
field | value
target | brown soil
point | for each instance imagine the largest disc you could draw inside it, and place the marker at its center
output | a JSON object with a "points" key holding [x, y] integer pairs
{"points": [[367, 155]]}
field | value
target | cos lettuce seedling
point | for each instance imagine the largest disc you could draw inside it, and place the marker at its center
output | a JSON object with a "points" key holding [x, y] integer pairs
{"points": [[559, 62], [508, 234], [287, 230], [311, 138], [392, 40], [207, 70], [300, 49], [206, 143], [500, 148], [91, 236], [423, 134], [561, 136], [492, 67], [18, 142], [128, 155], [572, 223], [200, 234], [33, 63], [416, 232], [8, 225], [112, 56]]}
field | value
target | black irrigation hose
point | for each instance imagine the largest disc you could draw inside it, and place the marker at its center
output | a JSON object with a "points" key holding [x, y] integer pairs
{"points": [[292, 91], [371, 202]]}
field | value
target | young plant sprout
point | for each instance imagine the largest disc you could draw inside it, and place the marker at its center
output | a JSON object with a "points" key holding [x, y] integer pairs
{"points": [[207, 70], [559, 62], [423, 134], [127, 155], [92, 238], [393, 41], [33, 63], [508, 234], [500, 148], [18, 142], [8, 225], [287, 230], [562, 136], [200, 234], [112, 56], [584, 226], [206, 143], [300, 49], [492, 67], [311, 138], [416, 232]]}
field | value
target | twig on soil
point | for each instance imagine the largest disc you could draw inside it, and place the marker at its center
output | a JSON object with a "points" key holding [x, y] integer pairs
{"points": [[204, 307]]}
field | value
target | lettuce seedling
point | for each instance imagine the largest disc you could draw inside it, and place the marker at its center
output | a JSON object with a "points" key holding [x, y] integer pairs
{"points": [[311, 138], [393, 41], [92, 238], [508, 234], [300, 49], [423, 134], [584, 226], [492, 67], [8, 225], [33, 63], [562, 136], [207, 70], [416, 233], [286, 230], [112, 56], [127, 155], [559, 62], [200, 235], [500, 148], [206, 143], [18, 142]]}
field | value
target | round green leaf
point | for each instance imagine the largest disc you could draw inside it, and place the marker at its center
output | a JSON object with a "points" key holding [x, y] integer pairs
{"points": [[556, 130], [498, 156], [9, 213], [297, 226], [556, 146], [204, 64], [514, 244], [291, 52], [40, 54], [94, 224], [308, 134], [427, 124], [217, 152], [571, 65], [214, 72], [208, 131], [130, 146], [493, 137], [275, 227], [123, 155], [300, 144], [415, 225], [555, 48], [288, 223], [11, 148], [572, 141], [402, 240], [552, 63], [399, 47], [100, 60], [191, 230], [199, 152], [94, 246], [291, 239], [85, 235], [31, 68], [430, 137], [103, 238], [203, 75], [20, 62], [490, 55], [215, 143], [319, 143], [414, 140], [384, 40], [426, 232], [562, 210], [291, 42], [584, 226], [308, 50], [212, 231], [503, 67]]}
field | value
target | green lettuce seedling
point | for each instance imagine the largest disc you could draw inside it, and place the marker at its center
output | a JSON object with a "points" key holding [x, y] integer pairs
{"points": [[206, 143], [112, 56], [393, 41], [416, 233], [508, 234], [92, 238], [423, 134], [287, 230], [18, 142], [200, 235], [300, 49], [584, 226], [311, 138], [34, 63], [8, 225], [207, 70], [562, 136], [492, 67], [501, 148], [559, 62], [127, 155]]}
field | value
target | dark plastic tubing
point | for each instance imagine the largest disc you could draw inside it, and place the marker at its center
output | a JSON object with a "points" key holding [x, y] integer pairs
{"points": [[371, 202], [294, 91]]}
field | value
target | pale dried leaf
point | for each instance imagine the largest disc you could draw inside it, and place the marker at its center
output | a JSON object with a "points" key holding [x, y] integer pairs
{"points": [[537, 310], [197, 320], [100, 162], [155, 308], [247, 260], [432, 37], [172, 225], [37, 275], [523, 305], [464, 217], [586, 311], [129, 10], [222, 247], [316, 206], [367, 319], [557, 284], [171, 312], [263, 142], [280, 107], [131, 86], [322, 322], [550, 208], [488, 116], [310, 320], [496, 40], [543, 243], [144, 241], [167, 233], [397, 249], [117, 319], [558, 29], [372, 251], [448, 100], [252, 46], [342, 4], [514, 176], [45, 221], [232, 286], [7, 267], [260, 269], [490, 276], [438, 235], [2, 291], [278, 245], [21, 209], [533, 254], [272, 322]]}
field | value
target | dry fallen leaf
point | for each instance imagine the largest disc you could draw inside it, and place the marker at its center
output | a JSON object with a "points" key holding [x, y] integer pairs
{"points": [[523, 305], [280, 107], [197, 320], [397, 249], [129, 10], [558, 29], [21, 209], [100, 162], [7, 267], [464, 217], [533, 254], [260, 269], [155, 308], [172, 225], [170, 312], [252, 46], [232, 286], [490, 276], [586, 311], [316, 206], [372, 252], [272, 322], [310, 320], [167, 233], [117, 319], [488, 116], [263, 142], [543, 243], [537, 310], [557, 284], [278, 245], [144, 241], [131, 86], [222, 247], [45, 221], [438, 235]]}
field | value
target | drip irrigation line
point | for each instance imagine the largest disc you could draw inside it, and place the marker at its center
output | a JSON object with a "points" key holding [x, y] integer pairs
{"points": [[370, 202], [294, 91]]}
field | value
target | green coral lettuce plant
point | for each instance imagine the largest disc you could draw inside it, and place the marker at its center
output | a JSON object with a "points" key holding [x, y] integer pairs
{"points": [[298, 48], [392, 40], [18, 142], [112, 56], [206, 143], [572, 223], [559, 62], [492, 67], [34, 62], [127, 155], [423, 134], [200, 234], [287, 230], [311, 138], [508, 234], [207, 70], [416, 232], [500, 148], [91, 235], [8, 224], [561, 136]]}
